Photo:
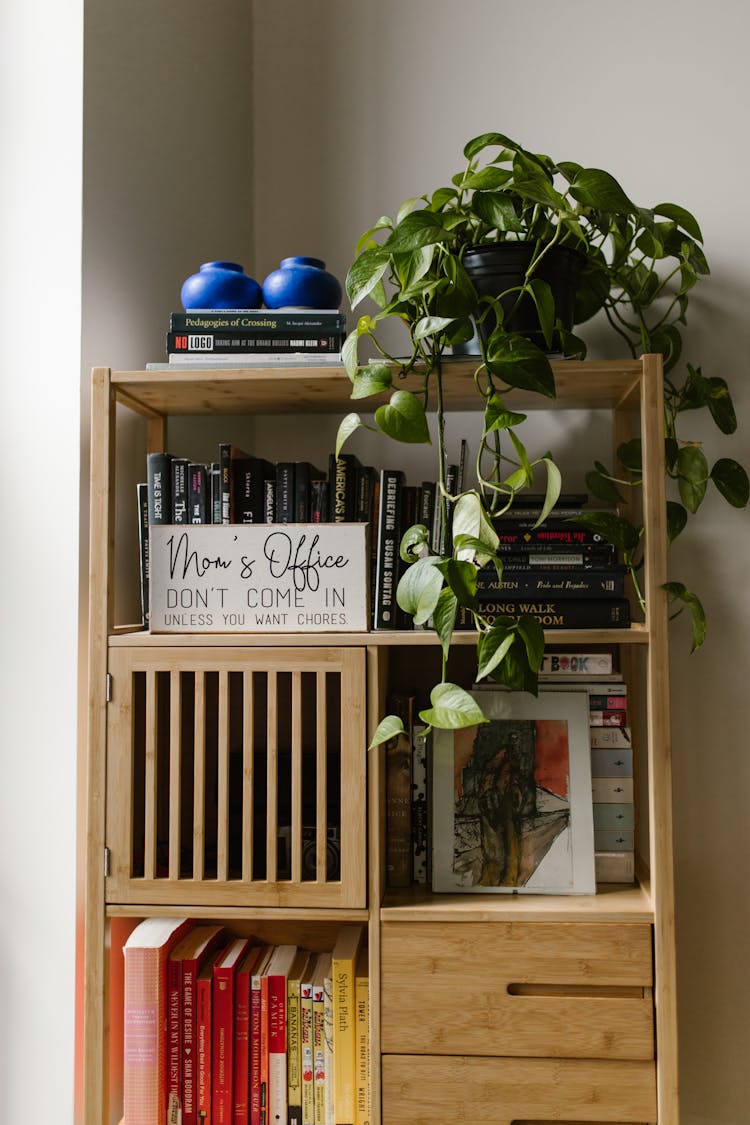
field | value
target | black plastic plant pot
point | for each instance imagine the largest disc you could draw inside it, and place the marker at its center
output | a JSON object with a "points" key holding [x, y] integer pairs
{"points": [[495, 267]]}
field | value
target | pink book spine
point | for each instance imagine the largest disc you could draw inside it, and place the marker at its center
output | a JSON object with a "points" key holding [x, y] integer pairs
{"points": [[144, 1056]]}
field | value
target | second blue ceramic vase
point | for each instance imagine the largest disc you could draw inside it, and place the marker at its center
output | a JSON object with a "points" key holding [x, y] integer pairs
{"points": [[221, 285], [303, 283]]}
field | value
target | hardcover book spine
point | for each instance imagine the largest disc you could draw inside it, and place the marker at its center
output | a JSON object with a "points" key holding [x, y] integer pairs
{"points": [[143, 544], [344, 1039], [362, 1041], [601, 613], [515, 545], [198, 507], [180, 490], [319, 501], [159, 474], [241, 1048], [306, 1037], [269, 499], [294, 1052], [223, 1047], [255, 1048], [533, 583], [277, 1068], [391, 483], [419, 803], [301, 503], [264, 1047], [330, 1108], [203, 1050], [260, 322], [174, 1030], [285, 492], [398, 811], [319, 1054], [239, 343], [225, 469], [427, 506], [214, 476], [577, 664], [558, 532]]}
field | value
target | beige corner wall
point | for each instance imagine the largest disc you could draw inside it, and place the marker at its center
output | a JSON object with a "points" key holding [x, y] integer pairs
{"points": [[359, 106]]}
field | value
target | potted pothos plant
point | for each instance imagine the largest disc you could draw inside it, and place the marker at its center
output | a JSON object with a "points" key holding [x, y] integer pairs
{"points": [[635, 265]]}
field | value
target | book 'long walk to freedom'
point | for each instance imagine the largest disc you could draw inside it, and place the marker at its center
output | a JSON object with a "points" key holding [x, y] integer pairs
{"points": [[145, 1018]]}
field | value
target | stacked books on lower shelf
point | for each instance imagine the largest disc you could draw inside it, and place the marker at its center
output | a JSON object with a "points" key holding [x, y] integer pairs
{"points": [[234, 1030]]}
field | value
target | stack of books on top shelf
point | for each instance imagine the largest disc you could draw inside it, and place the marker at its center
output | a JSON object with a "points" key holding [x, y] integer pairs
{"points": [[562, 572], [225, 1028], [254, 337]]}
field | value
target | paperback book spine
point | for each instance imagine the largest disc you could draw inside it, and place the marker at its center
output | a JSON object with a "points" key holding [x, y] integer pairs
{"points": [[180, 490], [231, 343], [159, 475], [174, 1033], [143, 545], [198, 502], [600, 583], [342, 482], [362, 1039], [306, 1049], [391, 483], [258, 321], [563, 613], [285, 492], [225, 470], [561, 558], [516, 544], [269, 499], [419, 803]]}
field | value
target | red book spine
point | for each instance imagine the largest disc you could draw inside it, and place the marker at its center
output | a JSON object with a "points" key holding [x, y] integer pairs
{"points": [[241, 1048], [264, 1119], [174, 1031], [277, 1070], [255, 1051], [223, 1046], [203, 1050]]}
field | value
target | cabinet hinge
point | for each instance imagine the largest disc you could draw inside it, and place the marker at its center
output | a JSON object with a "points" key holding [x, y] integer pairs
{"points": [[107, 860], [108, 687]]}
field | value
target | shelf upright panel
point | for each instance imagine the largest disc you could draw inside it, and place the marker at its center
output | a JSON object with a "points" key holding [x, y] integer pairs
{"points": [[659, 738]]}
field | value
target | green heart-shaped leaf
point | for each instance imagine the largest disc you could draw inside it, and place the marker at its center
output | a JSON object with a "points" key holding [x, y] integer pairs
{"points": [[419, 588], [372, 380], [390, 726], [452, 708], [403, 418], [732, 481]]}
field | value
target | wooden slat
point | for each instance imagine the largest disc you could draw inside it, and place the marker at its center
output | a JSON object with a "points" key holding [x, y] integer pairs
{"points": [[353, 778], [248, 774], [321, 767], [613, 902], [272, 777], [488, 1091], [120, 797], [175, 772], [296, 777], [150, 779], [222, 830], [199, 775], [660, 740]]}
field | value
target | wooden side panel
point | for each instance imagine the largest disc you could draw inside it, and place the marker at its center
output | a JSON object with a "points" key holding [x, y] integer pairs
{"points": [[419, 1090], [525, 989]]}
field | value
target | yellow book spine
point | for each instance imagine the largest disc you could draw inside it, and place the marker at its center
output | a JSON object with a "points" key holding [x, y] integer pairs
{"points": [[362, 1041], [344, 1069], [293, 1051]]}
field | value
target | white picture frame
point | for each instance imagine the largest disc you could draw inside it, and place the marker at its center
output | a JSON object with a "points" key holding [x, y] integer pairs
{"points": [[512, 804]]}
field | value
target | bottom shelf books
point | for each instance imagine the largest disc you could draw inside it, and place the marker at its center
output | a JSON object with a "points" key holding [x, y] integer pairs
{"points": [[229, 1030]]}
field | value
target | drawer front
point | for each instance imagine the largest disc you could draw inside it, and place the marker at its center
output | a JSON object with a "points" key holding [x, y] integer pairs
{"points": [[424, 1089], [541, 989]]}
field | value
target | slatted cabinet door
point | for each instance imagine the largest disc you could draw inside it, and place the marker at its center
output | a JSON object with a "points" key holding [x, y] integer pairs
{"points": [[236, 777]]}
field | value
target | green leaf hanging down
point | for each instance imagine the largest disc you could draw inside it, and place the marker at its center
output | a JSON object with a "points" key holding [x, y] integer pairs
{"points": [[419, 588], [493, 646], [554, 488], [372, 380], [471, 520], [732, 481], [532, 634], [403, 418], [692, 476], [520, 363], [365, 273], [680, 593], [461, 577], [497, 417], [390, 726], [721, 406], [601, 485], [444, 619], [347, 426], [431, 326], [630, 455], [681, 216], [545, 307], [452, 708], [349, 353], [676, 519]]}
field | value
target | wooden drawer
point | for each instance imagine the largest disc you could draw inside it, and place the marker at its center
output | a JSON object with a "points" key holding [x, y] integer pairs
{"points": [[424, 1089], [549, 989]]}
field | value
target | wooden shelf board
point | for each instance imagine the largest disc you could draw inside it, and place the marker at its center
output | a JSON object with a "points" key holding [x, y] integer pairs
{"points": [[612, 903], [323, 390], [306, 914], [636, 634]]}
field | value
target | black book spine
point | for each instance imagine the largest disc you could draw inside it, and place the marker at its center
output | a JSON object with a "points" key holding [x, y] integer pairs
{"points": [[568, 558], [225, 470], [319, 500], [198, 502], [143, 544], [260, 322], [214, 476], [159, 477], [556, 534], [285, 492], [539, 583], [180, 490], [249, 478], [365, 481], [301, 504], [269, 499], [516, 546], [391, 484], [204, 343], [408, 517], [342, 476], [556, 613]]}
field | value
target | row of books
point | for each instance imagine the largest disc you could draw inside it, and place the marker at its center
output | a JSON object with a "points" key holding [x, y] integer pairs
{"points": [[410, 774], [241, 337], [234, 1031]]}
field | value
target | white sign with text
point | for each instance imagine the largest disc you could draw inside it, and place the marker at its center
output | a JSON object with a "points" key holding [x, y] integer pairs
{"points": [[258, 578]]}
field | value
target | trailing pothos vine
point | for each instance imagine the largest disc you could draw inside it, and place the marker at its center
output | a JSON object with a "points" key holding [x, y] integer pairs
{"points": [[639, 266]]}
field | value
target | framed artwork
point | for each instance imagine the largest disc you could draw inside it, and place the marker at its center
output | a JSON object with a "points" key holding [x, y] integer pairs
{"points": [[512, 806]]}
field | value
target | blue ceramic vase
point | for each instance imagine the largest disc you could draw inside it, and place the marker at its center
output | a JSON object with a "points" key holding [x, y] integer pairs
{"points": [[221, 285], [302, 283]]}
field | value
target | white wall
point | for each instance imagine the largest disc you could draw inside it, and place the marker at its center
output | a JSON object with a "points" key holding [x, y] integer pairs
{"points": [[359, 106], [40, 300]]}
